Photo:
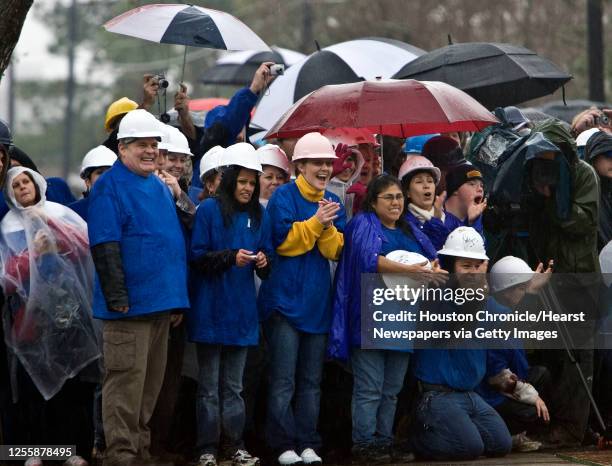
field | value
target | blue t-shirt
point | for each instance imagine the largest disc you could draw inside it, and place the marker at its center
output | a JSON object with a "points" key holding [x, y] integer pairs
{"points": [[139, 213], [461, 369], [224, 307], [395, 239]]}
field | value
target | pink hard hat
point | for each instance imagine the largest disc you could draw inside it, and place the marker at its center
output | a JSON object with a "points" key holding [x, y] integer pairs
{"points": [[313, 146], [415, 163]]}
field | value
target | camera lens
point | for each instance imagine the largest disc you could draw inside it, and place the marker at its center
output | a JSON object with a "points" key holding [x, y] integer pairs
{"points": [[163, 83], [164, 117]]}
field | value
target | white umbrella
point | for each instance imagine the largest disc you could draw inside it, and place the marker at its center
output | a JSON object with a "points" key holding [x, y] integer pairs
{"points": [[186, 25], [341, 63]]}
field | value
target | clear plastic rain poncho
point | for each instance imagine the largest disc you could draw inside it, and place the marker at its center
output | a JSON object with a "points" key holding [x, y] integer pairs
{"points": [[47, 278]]}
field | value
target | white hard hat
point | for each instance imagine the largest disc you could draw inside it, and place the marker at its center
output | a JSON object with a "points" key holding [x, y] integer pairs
{"points": [[100, 156], [416, 163], [177, 142], [408, 258], [271, 154], [165, 136], [584, 137], [211, 160], [605, 260], [464, 242], [242, 154], [313, 146], [139, 124], [509, 271]]}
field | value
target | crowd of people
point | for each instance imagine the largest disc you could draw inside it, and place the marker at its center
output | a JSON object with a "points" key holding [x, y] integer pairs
{"points": [[195, 298]]}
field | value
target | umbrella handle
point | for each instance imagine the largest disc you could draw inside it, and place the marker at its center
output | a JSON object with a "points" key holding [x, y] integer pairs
{"points": [[184, 61]]}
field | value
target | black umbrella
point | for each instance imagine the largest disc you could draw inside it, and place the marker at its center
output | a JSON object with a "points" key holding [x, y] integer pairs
{"points": [[346, 62], [497, 75], [568, 110], [238, 68]]}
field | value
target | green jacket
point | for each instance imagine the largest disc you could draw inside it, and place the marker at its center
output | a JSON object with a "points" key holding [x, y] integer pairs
{"points": [[571, 243]]}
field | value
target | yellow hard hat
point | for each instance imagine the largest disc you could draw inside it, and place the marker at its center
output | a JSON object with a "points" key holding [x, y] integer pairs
{"points": [[118, 108]]}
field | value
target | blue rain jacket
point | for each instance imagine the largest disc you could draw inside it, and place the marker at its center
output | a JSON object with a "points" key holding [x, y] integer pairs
{"points": [[364, 241], [224, 307]]}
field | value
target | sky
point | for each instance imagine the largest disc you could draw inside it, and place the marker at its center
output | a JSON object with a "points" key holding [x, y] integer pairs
{"points": [[31, 60]]}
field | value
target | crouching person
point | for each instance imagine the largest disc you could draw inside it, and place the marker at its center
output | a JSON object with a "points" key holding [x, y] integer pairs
{"points": [[453, 421], [139, 253]]}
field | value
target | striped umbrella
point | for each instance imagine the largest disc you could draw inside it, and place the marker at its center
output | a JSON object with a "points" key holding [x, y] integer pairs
{"points": [[186, 25], [346, 62]]}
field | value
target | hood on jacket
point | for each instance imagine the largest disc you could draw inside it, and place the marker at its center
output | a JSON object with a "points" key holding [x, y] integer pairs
{"points": [[9, 193], [559, 134], [599, 143], [514, 166], [358, 166]]}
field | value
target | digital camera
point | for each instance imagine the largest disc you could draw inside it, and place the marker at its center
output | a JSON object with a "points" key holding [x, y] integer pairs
{"points": [[277, 70], [602, 120], [161, 80]]}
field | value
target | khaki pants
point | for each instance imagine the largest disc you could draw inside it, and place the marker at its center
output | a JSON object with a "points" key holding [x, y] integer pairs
{"points": [[135, 353]]}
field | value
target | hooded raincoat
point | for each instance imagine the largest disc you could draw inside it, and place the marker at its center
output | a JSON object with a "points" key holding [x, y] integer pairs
{"points": [[47, 277], [340, 188], [600, 144], [568, 233], [563, 227]]}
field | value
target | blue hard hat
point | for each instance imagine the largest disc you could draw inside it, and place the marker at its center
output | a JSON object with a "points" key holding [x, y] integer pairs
{"points": [[414, 144]]}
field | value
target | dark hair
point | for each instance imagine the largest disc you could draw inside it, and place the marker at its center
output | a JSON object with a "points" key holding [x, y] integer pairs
{"points": [[24, 159], [377, 186], [215, 135], [227, 200]]}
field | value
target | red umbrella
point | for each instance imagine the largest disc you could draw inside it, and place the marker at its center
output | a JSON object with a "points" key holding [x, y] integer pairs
{"points": [[199, 105], [390, 107]]}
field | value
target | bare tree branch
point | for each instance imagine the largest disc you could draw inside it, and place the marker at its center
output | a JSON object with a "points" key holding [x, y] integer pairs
{"points": [[12, 16]]}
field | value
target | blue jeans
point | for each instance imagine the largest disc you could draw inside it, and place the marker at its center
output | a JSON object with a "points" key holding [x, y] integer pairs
{"points": [[378, 376], [219, 403], [296, 368], [459, 426]]}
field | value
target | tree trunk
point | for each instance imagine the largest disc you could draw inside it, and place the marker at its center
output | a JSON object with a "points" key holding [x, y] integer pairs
{"points": [[12, 16]]}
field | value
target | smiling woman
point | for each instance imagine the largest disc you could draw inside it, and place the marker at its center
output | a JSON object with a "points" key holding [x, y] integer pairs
{"points": [[307, 221], [370, 236]]}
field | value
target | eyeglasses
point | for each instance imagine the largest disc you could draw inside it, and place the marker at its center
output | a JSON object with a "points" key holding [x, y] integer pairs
{"points": [[391, 197]]}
